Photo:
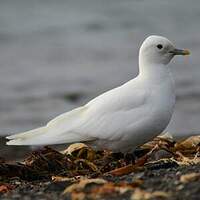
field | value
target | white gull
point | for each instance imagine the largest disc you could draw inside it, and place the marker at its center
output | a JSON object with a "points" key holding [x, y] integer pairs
{"points": [[124, 117]]}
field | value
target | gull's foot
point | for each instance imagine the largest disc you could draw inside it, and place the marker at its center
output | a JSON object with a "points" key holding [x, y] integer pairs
{"points": [[133, 167]]}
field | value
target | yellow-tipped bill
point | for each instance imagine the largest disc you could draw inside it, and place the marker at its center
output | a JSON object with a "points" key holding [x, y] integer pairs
{"points": [[183, 52]]}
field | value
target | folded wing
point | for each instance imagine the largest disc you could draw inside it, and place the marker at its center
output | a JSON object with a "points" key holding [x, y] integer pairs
{"points": [[105, 117]]}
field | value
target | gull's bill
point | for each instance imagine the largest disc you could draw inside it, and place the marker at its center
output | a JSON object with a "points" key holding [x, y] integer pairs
{"points": [[182, 52]]}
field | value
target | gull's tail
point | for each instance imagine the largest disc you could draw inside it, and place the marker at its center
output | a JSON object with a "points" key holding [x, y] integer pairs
{"points": [[27, 138], [60, 130]]}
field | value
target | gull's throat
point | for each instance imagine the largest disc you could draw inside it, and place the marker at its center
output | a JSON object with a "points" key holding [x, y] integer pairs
{"points": [[154, 72]]}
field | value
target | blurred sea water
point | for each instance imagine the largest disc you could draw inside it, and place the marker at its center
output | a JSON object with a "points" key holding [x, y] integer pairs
{"points": [[57, 55]]}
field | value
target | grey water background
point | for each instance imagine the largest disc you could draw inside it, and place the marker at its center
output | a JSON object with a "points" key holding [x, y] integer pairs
{"points": [[57, 55]]}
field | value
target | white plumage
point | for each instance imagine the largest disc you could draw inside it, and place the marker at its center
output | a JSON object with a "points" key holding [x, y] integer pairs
{"points": [[121, 118]]}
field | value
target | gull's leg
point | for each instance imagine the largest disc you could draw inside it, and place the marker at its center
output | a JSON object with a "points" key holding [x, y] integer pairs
{"points": [[129, 158], [133, 167]]}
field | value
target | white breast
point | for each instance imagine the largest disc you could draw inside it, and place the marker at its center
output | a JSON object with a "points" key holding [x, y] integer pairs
{"points": [[163, 101]]}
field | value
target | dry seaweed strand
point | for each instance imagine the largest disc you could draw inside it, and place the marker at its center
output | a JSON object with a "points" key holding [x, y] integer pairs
{"points": [[79, 159]]}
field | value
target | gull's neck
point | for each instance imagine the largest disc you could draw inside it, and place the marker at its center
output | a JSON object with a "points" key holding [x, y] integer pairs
{"points": [[154, 72]]}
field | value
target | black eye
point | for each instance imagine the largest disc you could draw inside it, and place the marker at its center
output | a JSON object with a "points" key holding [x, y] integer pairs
{"points": [[159, 46]]}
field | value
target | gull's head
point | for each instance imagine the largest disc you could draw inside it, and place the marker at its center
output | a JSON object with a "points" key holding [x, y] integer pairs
{"points": [[159, 50]]}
